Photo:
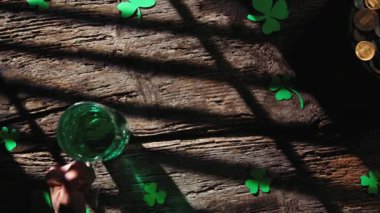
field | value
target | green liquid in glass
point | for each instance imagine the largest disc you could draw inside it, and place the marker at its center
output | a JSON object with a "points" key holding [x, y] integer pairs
{"points": [[89, 131]]}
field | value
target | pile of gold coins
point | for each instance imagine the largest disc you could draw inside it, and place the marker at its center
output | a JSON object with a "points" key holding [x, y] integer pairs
{"points": [[366, 32]]}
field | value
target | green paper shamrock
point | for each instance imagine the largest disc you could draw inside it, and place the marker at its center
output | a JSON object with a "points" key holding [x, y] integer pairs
{"points": [[270, 14], [283, 89], [259, 181], [152, 195], [128, 8], [8, 138], [41, 4], [371, 181]]}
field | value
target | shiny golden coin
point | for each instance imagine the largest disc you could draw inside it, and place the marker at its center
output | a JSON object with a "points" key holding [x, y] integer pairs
{"points": [[372, 4], [365, 50], [366, 19]]}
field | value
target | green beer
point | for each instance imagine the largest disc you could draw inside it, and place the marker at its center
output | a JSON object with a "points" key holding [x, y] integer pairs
{"points": [[89, 131]]}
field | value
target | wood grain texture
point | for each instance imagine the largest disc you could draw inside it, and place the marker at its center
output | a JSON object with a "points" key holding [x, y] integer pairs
{"points": [[192, 79], [183, 68], [208, 174]]}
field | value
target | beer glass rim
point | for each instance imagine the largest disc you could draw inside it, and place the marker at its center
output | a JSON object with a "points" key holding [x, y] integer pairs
{"points": [[66, 113]]}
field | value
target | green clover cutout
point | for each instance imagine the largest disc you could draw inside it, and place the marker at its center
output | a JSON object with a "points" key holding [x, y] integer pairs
{"points": [[284, 90], [371, 181], [270, 14], [129, 8], [259, 181], [8, 138], [41, 4], [153, 195]]}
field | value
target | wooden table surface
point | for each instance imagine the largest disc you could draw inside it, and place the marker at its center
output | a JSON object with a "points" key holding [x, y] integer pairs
{"points": [[192, 79]]}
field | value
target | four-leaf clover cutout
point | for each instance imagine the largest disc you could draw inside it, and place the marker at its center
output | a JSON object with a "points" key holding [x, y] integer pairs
{"points": [[283, 89], [129, 8], [153, 195], [259, 181], [8, 137], [371, 181], [41, 4], [270, 14]]}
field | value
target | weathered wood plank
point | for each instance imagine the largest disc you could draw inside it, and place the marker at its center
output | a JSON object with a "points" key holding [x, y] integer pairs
{"points": [[208, 174], [189, 77], [196, 73]]}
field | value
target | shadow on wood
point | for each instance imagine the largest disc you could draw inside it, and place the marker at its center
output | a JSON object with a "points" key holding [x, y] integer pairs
{"points": [[132, 171]]}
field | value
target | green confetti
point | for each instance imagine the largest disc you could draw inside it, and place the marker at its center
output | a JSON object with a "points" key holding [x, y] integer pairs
{"points": [[283, 89], [259, 181], [150, 200], [153, 196], [271, 15], [371, 181], [144, 3], [127, 9], [8, 137], [10, 144], [252, 185], [131, 7], [40, 4], [47, 199], [283, 94], [160, 197], [139, 15]]}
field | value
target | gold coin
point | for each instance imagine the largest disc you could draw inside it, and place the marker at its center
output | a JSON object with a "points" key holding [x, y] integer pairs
{"points": [[365, 50], [366, 19], [372, 4]]}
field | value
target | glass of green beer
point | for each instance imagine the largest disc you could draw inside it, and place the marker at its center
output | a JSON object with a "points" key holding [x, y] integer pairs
{"points": [[89, 131]]}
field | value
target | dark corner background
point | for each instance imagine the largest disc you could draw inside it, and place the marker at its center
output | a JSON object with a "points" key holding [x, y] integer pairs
{"points": [[323, 57]]}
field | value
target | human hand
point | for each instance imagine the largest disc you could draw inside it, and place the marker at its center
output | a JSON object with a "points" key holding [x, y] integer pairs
{"points": [[68, 185]]}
